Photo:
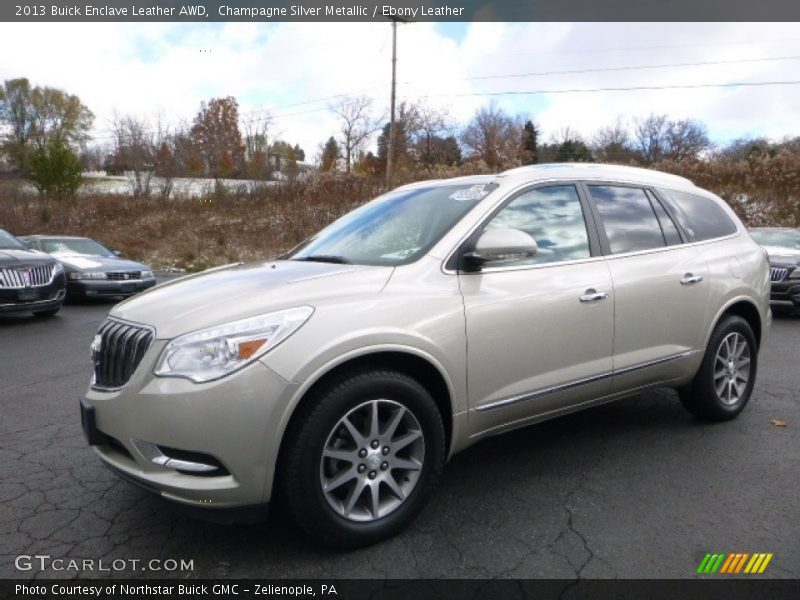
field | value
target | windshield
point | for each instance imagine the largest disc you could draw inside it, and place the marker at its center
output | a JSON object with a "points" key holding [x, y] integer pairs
{"points": [[9, 242], [788, 239], [75, 246], [396, 228]]}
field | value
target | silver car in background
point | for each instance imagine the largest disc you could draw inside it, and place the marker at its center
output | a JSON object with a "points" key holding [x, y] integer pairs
{"points": [[340, 378]]}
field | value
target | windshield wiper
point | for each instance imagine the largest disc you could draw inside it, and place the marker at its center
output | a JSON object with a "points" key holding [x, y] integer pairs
{"points": [[325, 258]]}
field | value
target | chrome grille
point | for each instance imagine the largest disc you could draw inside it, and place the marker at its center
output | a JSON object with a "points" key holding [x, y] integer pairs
{"points": [[117, 350], [123, 275], [778, 273], [22, 277]]}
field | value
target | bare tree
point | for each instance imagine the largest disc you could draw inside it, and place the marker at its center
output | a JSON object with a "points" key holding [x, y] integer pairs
{"points": [[432, 123], [166, 158], [651, 137], [357, 124], [256, 145], [492, 135], [613, 143], [662, 139], [686, 139], [134, 151]]}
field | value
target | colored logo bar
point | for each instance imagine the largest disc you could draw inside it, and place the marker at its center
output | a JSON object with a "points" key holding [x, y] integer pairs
{"points": [[733, 563]]}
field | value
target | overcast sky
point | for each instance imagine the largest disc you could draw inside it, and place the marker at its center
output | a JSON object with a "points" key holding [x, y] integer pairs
{"points": [[291, 69]]}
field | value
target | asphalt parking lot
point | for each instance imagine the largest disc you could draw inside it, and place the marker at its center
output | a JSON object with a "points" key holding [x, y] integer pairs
{"points": [[633, 489]]}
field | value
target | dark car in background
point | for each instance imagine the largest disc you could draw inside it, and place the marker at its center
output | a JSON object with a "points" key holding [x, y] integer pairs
{"points": [[783, 248], [29, 281], [93, 270]]}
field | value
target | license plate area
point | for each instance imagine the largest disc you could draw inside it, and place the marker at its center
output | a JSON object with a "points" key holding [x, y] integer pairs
{"points": [[28, 294]]}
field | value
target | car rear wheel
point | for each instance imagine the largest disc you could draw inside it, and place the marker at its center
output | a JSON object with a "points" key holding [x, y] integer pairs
{"points": [[723, 384], [362, 459]]}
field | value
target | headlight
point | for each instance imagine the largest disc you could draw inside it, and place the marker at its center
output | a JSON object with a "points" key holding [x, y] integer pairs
{"points": [[86, 275], [217, 351], [146, 274], [795, 274]]}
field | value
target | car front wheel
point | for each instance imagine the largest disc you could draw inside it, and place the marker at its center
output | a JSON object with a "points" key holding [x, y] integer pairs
{"points": [[723, 384], [362, 459]]}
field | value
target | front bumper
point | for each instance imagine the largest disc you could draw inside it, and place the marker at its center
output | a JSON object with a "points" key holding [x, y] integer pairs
{"points": [[39, 298], [786, 292], [233, 423], [88, 288]]}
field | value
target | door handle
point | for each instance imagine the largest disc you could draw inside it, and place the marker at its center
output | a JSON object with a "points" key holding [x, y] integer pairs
{"points": [[690, 279], [593, 296]]}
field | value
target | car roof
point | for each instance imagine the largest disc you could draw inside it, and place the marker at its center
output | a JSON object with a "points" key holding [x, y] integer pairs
{"points": [[39, 236], [582, 171], [598, 171]]}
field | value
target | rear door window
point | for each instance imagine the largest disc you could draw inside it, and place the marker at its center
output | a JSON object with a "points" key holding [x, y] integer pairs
{"points": [[701, 217], [628, 218]]}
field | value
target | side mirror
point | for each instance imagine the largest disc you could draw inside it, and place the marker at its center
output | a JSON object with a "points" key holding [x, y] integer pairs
{"points": [[117, 252], [501, 244]]}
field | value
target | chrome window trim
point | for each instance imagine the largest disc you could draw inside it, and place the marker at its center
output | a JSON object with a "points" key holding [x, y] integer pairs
{"points": [[516, 189], [579, 382]]}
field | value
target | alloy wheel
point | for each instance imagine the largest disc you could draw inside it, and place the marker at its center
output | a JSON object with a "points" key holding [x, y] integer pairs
{"points": [[732, 368], [372, 460]]}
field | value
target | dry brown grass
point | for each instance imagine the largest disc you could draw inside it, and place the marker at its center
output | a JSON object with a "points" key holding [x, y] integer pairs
{"points": [[196, 233], [192, 233]]}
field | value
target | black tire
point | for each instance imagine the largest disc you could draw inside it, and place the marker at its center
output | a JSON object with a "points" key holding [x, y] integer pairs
{"points": [[301, 472], [47, 313], [700, 397]]}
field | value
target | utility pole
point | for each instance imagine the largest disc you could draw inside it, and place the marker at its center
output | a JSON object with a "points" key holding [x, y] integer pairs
{"points": [[390, 149]]}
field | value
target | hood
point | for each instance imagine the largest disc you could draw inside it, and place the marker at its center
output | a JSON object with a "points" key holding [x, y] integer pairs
{"points": [[241, 291], [85, 262], [12, 258], [783, 257]]}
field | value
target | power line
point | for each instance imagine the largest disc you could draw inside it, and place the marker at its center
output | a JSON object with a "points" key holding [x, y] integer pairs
{"points": [[617, 89], [629, 48], [534, 74], [632, 68]]}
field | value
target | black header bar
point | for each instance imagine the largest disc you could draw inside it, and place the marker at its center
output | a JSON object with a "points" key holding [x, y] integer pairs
{"points": [[414, 10]]}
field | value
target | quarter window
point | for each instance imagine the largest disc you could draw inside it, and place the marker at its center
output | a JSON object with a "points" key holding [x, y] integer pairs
{"points": [[701, 217], [628, 218], [553, 217]]}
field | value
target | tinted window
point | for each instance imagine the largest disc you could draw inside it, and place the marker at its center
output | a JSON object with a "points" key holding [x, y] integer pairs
{"points": [[668, 228], [702, 218], [628, 218], [553, 217]]}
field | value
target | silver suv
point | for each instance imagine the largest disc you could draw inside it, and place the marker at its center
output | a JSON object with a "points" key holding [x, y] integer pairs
{"points": [[340, 378]]}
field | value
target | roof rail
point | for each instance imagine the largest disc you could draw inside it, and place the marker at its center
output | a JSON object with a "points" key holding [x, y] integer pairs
{"points": [[621, 170]]}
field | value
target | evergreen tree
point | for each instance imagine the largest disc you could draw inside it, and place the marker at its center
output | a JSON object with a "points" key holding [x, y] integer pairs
{"points": [[530, 144]]}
